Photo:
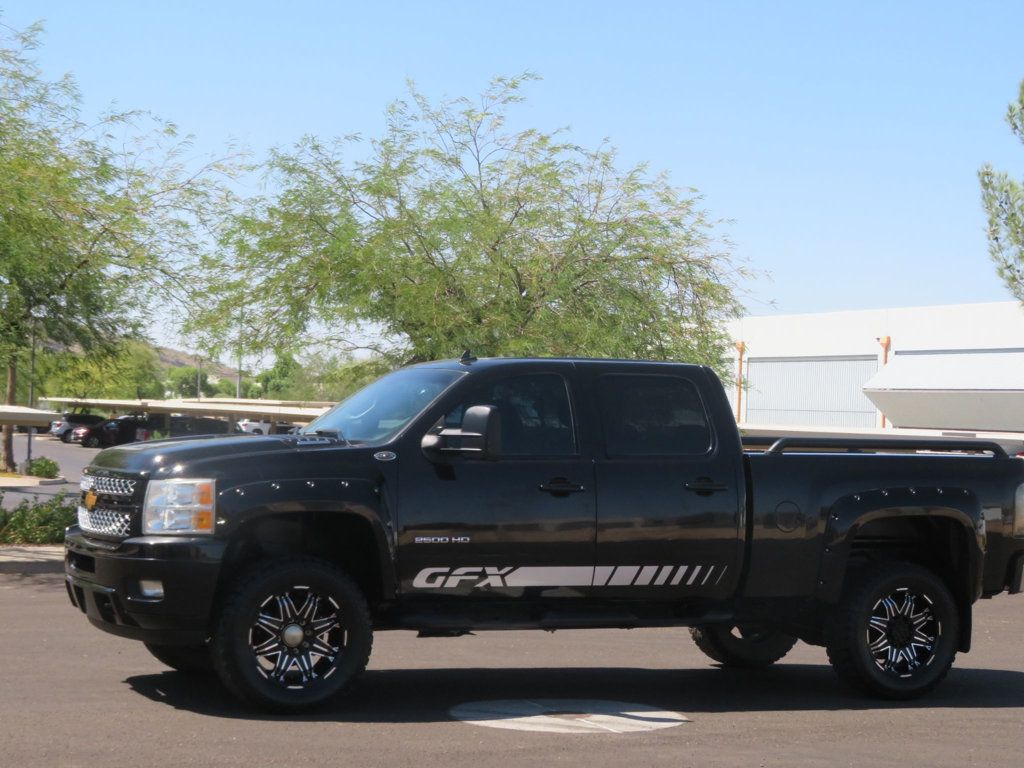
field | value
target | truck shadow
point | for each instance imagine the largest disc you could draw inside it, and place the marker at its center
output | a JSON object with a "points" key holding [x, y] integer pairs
{"points": [[426, 695]]}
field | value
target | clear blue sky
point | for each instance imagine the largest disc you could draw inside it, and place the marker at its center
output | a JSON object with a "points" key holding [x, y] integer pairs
{"points": [[842, 140]]}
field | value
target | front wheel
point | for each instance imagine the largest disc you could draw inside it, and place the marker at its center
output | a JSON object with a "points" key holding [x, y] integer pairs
{"points": [[895, 632], [292, 634], [742, 646]]}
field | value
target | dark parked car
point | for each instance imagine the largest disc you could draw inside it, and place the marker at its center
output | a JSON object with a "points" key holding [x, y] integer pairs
{"points": [[65, 426], [123, 429]]}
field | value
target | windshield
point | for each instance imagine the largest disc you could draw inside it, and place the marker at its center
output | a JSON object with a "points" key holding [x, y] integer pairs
{"points": [[377, 412]]}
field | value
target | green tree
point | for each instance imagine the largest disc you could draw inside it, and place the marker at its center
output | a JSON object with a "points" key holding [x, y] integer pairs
{"points": [[1003, 198], [129, 369], [456, 233], [181, 381], [97, 221]]}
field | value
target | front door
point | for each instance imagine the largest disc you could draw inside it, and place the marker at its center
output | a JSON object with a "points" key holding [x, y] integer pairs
{"points": [[519, 526]]}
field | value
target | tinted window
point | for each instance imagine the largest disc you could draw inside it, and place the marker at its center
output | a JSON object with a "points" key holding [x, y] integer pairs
{"points": [[377, 412], [652, 416], [534, 412]]}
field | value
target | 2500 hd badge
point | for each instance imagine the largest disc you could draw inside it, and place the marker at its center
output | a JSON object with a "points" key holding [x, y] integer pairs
{"points": [[487, 494]]}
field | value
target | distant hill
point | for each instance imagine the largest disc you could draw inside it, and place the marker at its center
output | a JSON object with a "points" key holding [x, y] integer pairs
{"points": [[175, 358]]}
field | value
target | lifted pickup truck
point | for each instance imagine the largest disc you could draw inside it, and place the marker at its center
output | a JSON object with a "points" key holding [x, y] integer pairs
{"points": [[512, 494]]}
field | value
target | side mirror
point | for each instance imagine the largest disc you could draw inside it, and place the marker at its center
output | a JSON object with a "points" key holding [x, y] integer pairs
{"points": [[479, 437]]}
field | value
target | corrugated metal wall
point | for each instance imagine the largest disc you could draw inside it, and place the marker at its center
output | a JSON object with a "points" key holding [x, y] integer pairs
{"points": [[810, 391]]}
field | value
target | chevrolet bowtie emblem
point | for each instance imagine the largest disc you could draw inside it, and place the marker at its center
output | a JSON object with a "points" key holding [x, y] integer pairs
{"points": [[90, 500]]}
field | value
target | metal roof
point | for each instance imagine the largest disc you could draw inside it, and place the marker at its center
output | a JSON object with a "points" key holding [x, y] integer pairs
{"points": [[21, 416], [979, 371], [253, 408]]}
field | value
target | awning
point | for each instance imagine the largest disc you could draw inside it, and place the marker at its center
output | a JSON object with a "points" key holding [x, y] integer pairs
{"points": [[952, 390], [971, 371]]}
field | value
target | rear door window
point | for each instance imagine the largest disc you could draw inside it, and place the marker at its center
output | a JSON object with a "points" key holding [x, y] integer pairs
{"points": [[652, 416]]}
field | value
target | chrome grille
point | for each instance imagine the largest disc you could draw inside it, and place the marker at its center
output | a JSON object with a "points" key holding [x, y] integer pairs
{"points": [[106, 522], [108, 486]]}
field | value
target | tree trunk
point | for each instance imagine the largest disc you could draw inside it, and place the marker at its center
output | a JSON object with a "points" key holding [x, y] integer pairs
{"points": [[7, 449]]}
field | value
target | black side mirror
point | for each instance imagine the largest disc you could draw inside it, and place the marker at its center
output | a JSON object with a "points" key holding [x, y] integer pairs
{"points": [[479, 437]]}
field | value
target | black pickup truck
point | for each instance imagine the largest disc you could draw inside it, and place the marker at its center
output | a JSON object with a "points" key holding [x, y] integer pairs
{"points": [[514, 494]]}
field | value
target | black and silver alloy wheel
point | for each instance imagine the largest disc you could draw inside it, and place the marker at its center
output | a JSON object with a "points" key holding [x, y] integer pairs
{"points": [[895, 632], [297, 636], [902, 632], [291, 634]]}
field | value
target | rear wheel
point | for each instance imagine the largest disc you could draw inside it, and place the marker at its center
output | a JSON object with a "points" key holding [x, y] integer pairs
{"points": [[91, 442], [895, 632], [65, 436], [292, 634], [192, 659], [745, 645]]}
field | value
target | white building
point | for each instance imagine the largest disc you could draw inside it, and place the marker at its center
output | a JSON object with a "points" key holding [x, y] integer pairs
{"points": [[958, 366]]}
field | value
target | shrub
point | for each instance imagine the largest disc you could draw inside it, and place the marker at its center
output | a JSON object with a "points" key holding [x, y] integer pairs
{"points": [[35, 522], [42, 467]]}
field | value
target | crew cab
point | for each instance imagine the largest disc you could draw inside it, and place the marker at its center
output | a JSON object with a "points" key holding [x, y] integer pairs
{"points": [[468, 495]]}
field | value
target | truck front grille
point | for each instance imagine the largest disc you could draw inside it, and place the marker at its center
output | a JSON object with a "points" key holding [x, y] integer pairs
{"points": [[105, 522], [108, 486]]}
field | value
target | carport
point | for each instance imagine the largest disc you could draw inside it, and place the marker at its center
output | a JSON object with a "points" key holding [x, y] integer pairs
{"points": [[231, 409]]}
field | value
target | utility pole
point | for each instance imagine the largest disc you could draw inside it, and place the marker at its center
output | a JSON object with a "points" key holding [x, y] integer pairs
{"points": [[31, 390]]}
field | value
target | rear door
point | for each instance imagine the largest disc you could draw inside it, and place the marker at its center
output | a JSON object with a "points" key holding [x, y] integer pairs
{"points": [[669, 484]]}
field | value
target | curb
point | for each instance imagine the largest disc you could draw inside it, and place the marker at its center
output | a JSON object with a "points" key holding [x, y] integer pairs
{"points": [[26, 560], [25, 481]]}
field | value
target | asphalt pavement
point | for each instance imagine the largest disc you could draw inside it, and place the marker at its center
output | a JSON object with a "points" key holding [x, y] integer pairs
{"points": [[71, 695], [70, 457]]}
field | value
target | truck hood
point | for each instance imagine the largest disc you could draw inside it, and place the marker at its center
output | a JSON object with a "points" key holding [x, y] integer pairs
{"points": [[152, 455]]}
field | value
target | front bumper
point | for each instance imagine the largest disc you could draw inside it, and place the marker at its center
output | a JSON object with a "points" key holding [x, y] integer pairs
{"points": [[102, 581]]}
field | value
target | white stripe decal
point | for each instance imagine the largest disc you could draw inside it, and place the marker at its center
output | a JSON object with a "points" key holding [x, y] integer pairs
{"points": [[565, 576], [708, 575], [663, 576], [624, 576], [602, 573], [693, 576], [646, 575], [679, 575], [724, 569]]}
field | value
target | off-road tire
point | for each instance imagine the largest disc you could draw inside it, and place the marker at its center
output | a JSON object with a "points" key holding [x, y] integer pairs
{"points": [[745, 646], [863, 610], [255, 616], [190, 659]]}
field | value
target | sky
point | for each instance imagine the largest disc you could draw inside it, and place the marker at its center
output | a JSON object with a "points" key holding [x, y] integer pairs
{"points": [[839, 141]]}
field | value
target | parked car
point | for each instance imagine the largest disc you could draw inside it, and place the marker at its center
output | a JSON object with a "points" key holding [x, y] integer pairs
{"points": [[181, 426], [123, 429], [65, 426], [254, 427]]}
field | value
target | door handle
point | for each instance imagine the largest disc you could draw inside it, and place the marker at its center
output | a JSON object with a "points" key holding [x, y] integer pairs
{"points": [[559, 486], [705, 485]]}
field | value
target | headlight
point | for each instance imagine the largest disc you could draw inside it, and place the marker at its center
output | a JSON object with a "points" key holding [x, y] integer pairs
{"points": [[1018, 512], [178, 506]]}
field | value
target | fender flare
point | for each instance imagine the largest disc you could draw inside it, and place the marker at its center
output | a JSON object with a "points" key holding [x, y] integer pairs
{"points": [[850, 513], [241, 505]]}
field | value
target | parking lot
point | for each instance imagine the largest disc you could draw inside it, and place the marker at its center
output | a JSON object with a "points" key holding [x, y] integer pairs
{"points": [[74, 696], [70, 457]]}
